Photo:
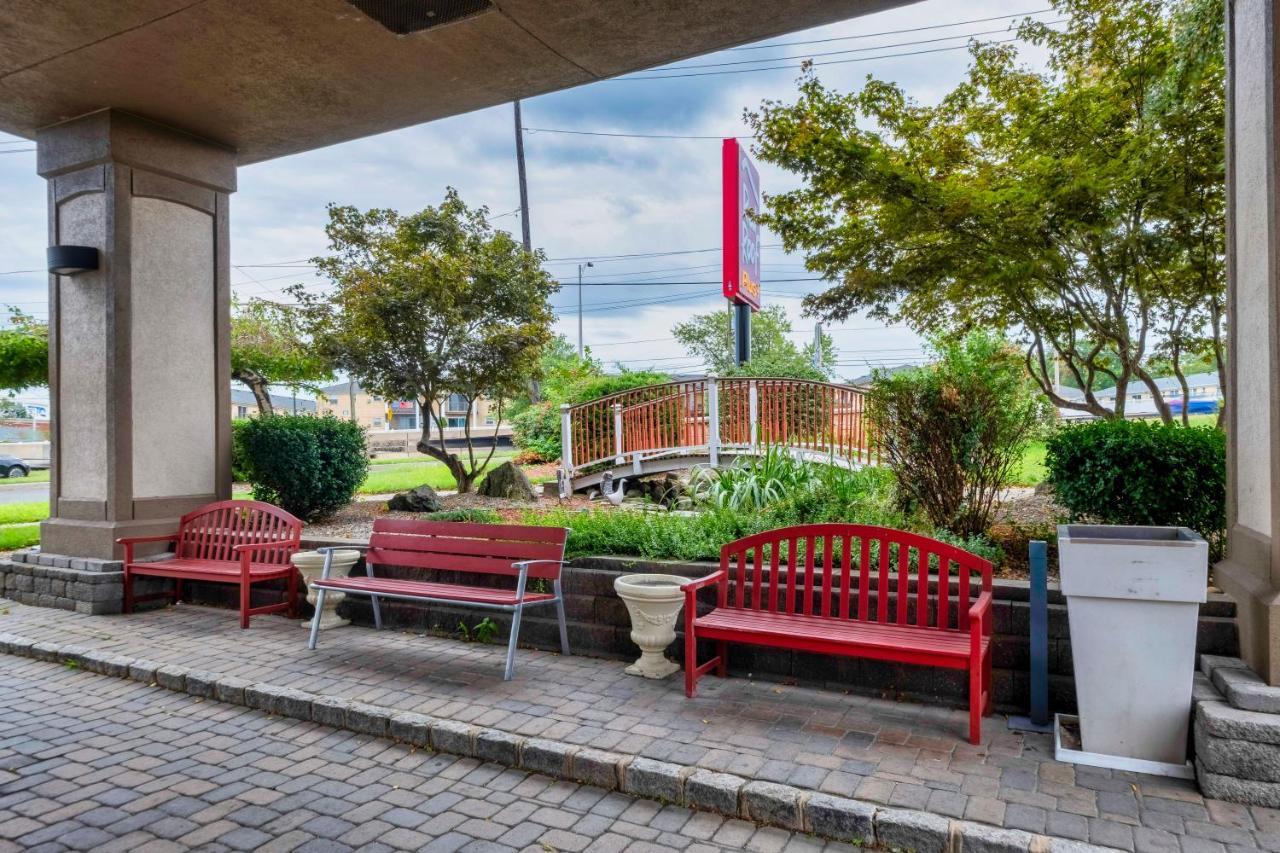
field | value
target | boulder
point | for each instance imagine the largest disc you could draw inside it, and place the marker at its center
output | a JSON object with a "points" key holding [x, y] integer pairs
{"points": [[507, 481], [421, 499]]}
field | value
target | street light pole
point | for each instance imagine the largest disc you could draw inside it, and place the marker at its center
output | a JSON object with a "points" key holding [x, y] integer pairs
{"points": [[581, 349]]}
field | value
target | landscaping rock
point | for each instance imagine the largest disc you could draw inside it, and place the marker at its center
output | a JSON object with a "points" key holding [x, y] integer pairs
{"points": [[507, 481], [421, 499]]}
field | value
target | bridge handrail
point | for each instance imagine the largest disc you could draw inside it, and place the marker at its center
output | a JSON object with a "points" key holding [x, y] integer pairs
{"points": [[704, 415]]}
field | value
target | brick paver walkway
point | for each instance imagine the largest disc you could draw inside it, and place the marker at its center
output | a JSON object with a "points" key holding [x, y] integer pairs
{"points": [[900, 754], [95, 763]]}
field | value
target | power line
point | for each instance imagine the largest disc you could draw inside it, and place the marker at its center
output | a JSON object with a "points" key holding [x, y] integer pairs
{"points": [[623, 135], [894, 32], [813, 64], [672, 283], [610, 258]]}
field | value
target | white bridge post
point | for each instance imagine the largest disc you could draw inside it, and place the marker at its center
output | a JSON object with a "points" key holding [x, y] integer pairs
{"points": [[713, 420], [618, 459], [566, 441], [753, 412]]}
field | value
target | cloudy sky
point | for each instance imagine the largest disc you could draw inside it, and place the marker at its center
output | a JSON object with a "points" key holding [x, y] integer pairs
{"points": [[592, 197]]}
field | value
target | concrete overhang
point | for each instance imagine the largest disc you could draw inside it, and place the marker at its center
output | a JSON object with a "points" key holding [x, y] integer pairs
{"points": [[274, 77]]}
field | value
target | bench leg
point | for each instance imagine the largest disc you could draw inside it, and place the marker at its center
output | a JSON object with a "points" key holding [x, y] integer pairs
{"points": [[377, 612], [177, 590], [564, 631], [511, 644], [315, 620], [244, 605], [722, 652], [975, 702]]}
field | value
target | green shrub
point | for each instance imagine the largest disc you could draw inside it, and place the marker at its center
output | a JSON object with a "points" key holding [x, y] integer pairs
{"points": [[239, 470], [954, 431], [1138, 472], [307, 465], [536, 431], [474, 515]]}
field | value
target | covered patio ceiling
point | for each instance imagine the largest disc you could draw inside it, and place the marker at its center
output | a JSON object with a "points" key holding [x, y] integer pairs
{"points": [[274, 77]]}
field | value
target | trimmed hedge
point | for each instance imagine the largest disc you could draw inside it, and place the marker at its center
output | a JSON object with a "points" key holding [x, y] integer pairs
{"points": [[306, 465], [1137, 472]]}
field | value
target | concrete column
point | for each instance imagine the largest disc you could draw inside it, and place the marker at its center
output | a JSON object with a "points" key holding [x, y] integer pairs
{"points": [[139, 349], [1251, 571]]}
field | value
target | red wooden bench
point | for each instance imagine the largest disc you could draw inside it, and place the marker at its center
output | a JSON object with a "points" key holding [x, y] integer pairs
{"points": [[240, 542], [847, 589], [519, 552]]}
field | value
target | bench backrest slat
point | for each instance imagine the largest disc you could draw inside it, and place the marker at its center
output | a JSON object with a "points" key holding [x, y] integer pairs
{"points": [[466, 547], [815, 569], [212, 531]]}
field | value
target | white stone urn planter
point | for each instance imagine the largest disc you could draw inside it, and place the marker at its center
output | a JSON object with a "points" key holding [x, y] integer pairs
{"points": [[311, 564], [1133, 602], [654, 603]]}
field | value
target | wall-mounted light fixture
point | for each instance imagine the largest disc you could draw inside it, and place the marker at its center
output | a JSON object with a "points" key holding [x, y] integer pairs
{"points": [[72, 260]]}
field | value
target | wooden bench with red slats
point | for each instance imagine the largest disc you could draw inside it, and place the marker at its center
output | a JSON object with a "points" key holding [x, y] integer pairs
{"points": [[240, 542], [847, 589], [520, 552]]}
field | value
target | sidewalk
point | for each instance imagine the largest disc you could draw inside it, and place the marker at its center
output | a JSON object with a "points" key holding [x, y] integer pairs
{"points": [[898, 754]]}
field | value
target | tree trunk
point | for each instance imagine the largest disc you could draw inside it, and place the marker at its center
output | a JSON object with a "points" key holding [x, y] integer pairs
{"points": [[256, 384], [461, 476], [1186, 389]]}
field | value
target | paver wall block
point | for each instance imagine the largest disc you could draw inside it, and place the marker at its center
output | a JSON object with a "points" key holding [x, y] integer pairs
{"points": [[1242, 759], [839, 818], [1246, 691], [143, 670], [412, 728], [231, 690], [202, 684], [106, 663], [72, 654], [369, 719], [453, 737], [772, 804], [256, 696], [330, 711], [596, 767], [910, 830], [1222, 720], [172, 677], [981, 838], [498, 747], [46, 651], [295, 704], [548, 757], [655, 780], [713, 792], [1210, 663], [1063, 845], [1219, 787]]}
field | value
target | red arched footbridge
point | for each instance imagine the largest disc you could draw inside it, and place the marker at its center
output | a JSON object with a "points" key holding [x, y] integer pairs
{"points": [[709, 421]]}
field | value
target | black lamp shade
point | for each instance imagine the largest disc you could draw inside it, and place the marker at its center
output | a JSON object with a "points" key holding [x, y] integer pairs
{"points": [[70, 260]]}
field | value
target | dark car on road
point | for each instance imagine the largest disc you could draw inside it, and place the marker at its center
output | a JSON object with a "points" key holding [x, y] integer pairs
{"points": [[12, 466]]}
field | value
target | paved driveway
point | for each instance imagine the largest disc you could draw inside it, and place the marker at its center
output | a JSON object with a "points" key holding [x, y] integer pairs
{"points": [[89, 762], [17, 491]]}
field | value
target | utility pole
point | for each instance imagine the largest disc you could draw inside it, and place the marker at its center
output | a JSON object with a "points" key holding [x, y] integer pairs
{"points": [[581, 349], [524, 184], [817, 346]]}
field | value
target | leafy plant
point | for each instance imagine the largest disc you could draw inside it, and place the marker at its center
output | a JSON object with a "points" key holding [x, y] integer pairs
{"points": [[307, 465], [1135, 472], [536, 431], [475, 515], [752, 483], [954, 431], [482, 632]]}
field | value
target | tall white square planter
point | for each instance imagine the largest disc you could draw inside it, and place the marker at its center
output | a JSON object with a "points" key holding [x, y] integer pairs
{"points": [[1133, 602]]}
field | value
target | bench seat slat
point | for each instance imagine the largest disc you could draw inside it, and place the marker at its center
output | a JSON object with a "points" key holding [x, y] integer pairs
{"points": [[832, 636], [512, 549], [213, 570], [425, 590], [457, 563], [456, 529]]}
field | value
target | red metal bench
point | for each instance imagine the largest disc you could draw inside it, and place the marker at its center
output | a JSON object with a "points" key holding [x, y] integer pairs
{"points": [[516, 551], [240, 542], [833, 589]]}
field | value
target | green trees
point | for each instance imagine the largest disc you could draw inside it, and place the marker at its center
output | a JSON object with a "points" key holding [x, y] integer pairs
{"points": [[24, 353], [430, 304], [1082, 207], [268, 347], [773, 353], [954, 431], [309, 466]]}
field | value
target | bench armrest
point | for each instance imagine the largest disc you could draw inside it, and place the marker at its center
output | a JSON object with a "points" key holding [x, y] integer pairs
{"points": [[692, 586], [134, 540], [520, 563], [980, 618]]}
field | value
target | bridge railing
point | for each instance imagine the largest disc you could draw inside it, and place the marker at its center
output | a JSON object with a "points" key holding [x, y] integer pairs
{"points": [[708, 416]]}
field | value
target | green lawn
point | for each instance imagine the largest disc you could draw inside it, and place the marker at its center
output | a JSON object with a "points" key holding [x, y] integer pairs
{"points": [[24, 512], [14, 536], [400, 476]]}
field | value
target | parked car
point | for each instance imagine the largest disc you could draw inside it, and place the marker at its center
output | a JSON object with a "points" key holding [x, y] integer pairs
{"points": [[12, 466], [1200, 406]]}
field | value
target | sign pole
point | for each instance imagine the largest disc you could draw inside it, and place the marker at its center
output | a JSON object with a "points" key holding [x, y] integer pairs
{"points": [[741, 333], [1039, 720], [741, 278]]}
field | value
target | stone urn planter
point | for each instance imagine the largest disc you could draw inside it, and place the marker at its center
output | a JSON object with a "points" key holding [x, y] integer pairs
{"points": [[311, 565], [654, 603], [1133, 602]]}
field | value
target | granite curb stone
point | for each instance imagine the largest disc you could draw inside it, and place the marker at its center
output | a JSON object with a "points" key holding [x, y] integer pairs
{"points": [[722, 793]]}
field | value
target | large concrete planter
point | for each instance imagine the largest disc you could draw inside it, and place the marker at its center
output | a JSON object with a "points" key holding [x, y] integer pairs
{"points": [[653, 602], [1133, 597], [310, 564]]}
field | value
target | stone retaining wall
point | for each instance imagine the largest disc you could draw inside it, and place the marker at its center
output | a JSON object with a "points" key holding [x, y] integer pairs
{"points": [[1237, 733]]}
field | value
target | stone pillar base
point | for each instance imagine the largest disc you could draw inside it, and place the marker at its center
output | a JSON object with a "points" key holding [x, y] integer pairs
{"points": [[81, 584], [1237, 733]]}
